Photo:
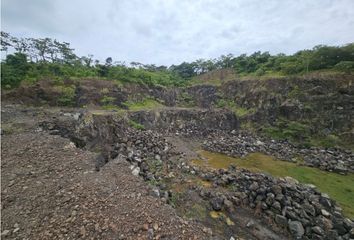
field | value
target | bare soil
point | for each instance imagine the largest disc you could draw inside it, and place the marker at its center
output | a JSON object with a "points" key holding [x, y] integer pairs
{"points": [[49, 190]]}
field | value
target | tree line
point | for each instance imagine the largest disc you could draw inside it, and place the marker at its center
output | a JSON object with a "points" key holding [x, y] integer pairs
{"points": [[261, 63], [38, 58]]}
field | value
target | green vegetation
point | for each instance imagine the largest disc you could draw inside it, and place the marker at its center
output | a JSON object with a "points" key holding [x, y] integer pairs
{"points": [[196, 211], [326, 141], [136, 125], [106, 100], [339, 187], [345, 66], [147, 103], [295, 92], [45, 58], [293, 131], [155, 166], [260, 64], [67, 95], [300, 134], [186, 100], [239, 111]]}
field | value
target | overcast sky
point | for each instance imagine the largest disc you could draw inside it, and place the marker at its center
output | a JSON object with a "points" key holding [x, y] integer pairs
{"points": [[172, 31]]}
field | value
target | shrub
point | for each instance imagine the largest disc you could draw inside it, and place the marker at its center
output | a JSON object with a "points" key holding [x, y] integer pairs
{"points": [[67, 95], [106, 100], [345, 66]]}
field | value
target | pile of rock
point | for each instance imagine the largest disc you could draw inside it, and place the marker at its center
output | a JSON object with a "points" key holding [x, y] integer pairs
{"points": [[335, 160], [239, 144], [301, 209], [145, 150]]}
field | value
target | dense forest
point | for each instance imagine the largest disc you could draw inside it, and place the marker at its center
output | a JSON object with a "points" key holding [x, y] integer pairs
{"points": [[31, 59]]}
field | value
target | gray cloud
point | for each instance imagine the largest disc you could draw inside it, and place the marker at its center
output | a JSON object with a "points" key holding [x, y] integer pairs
{"points": [[172, 31]]}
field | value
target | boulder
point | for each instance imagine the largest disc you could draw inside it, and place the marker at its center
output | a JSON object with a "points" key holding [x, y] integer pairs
{"points": [[296, 229], [217, 203], [281, 220]]}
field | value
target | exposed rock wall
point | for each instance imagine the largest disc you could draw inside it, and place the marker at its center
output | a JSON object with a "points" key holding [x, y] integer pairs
{"points": [[191, 120], [325, 104]]}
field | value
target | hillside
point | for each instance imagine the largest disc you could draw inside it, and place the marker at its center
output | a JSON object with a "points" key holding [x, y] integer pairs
{"points": [[253, 146]]}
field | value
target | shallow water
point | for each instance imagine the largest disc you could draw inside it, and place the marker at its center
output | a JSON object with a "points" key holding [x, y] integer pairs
{"points": [[339, 187]]}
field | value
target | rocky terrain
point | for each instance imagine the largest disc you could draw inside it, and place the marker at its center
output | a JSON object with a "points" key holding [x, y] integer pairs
{"points": [[241, 144], [50, 190], [90, 173]]}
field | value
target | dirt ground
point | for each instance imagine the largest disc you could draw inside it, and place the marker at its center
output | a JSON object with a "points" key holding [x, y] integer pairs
{"points": [[49, 190]]}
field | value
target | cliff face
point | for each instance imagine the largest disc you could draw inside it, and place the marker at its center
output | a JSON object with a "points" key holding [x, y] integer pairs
{"points": [[324, 105]]}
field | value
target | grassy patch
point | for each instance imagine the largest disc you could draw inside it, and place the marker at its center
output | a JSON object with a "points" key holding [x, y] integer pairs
{"points": [[339, 187], [106, 100], [232, 106], [326, 141], [136, 125], [196, 211], [147, 103]]}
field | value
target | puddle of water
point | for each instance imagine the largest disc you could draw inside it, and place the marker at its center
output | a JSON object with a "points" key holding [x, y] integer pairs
{"points": [[339, 187]]}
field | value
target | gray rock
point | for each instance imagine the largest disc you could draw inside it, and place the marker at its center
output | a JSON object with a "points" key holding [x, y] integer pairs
{"points": [[217, 203], [228, 204], [250, 224], [5, 233], [277, 206], [281, 220], [339, 226], [254, 186], [318, 230], [325, 201], [277, 189], [270, 199], [296, 229], [155, 192], [348, 224], [309, 209], [351, 233], [136, 171], [325, 213], [332, 234], [316, 237]]}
